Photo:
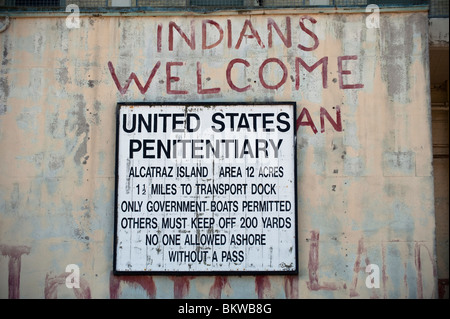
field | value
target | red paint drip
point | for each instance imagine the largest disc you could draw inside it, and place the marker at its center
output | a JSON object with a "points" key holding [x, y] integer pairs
{"points": [[215, 291], [181, 286], [261, 284], [291, 287], [146, 283]]}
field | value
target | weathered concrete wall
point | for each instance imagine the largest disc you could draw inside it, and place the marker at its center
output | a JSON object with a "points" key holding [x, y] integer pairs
{"points": [[365, 183]]}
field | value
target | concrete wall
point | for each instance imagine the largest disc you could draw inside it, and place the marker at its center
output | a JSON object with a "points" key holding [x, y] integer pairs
{"points": [[365, 180], [439, 79]]}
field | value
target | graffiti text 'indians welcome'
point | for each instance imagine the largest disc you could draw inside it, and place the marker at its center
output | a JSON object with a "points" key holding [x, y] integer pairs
{"points": [[270, 73]]}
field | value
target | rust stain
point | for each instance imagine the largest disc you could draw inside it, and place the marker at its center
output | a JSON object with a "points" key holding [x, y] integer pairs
{"points": [[291, 287], [220, 282], [181, 286], [262, 283], [146, 282]]}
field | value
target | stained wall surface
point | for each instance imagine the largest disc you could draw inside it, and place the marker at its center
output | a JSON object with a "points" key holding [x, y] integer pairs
{"points": [[364, 170]]}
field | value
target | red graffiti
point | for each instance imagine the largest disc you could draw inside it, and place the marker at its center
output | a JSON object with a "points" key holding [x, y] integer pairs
{"points": [[309, 122], [228, 74], [200, 88], [254, 34], [247, 32], [124, 89], [190, 41], [229, 36], [323, 62], [287, 40], [204, 31], [342, 72], [310, 33], [261, 74], [15, 255], [213, 34], [171, 78], [262, 77], [158, 37], [337, 125]]}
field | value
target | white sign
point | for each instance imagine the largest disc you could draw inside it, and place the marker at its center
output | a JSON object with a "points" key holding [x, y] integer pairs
{"points": [[206, 188]]}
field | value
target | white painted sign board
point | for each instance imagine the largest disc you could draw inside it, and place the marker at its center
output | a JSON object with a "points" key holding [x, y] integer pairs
{"points": [[206, 187]]}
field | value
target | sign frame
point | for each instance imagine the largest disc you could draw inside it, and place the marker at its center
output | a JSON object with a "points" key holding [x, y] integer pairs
{"points": [[290, 271]]}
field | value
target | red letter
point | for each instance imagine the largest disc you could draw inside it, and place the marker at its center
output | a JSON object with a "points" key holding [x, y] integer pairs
{"points": [[229, 29], [342, 72], [308, 123], [158, 37], [174, 78], [254, 34], [214, 23], [132, 76], [200, 90], [323, 61], [336, 125], [229, 67], [316, 40], [190, 43], [286, 40], [283, 80]]}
